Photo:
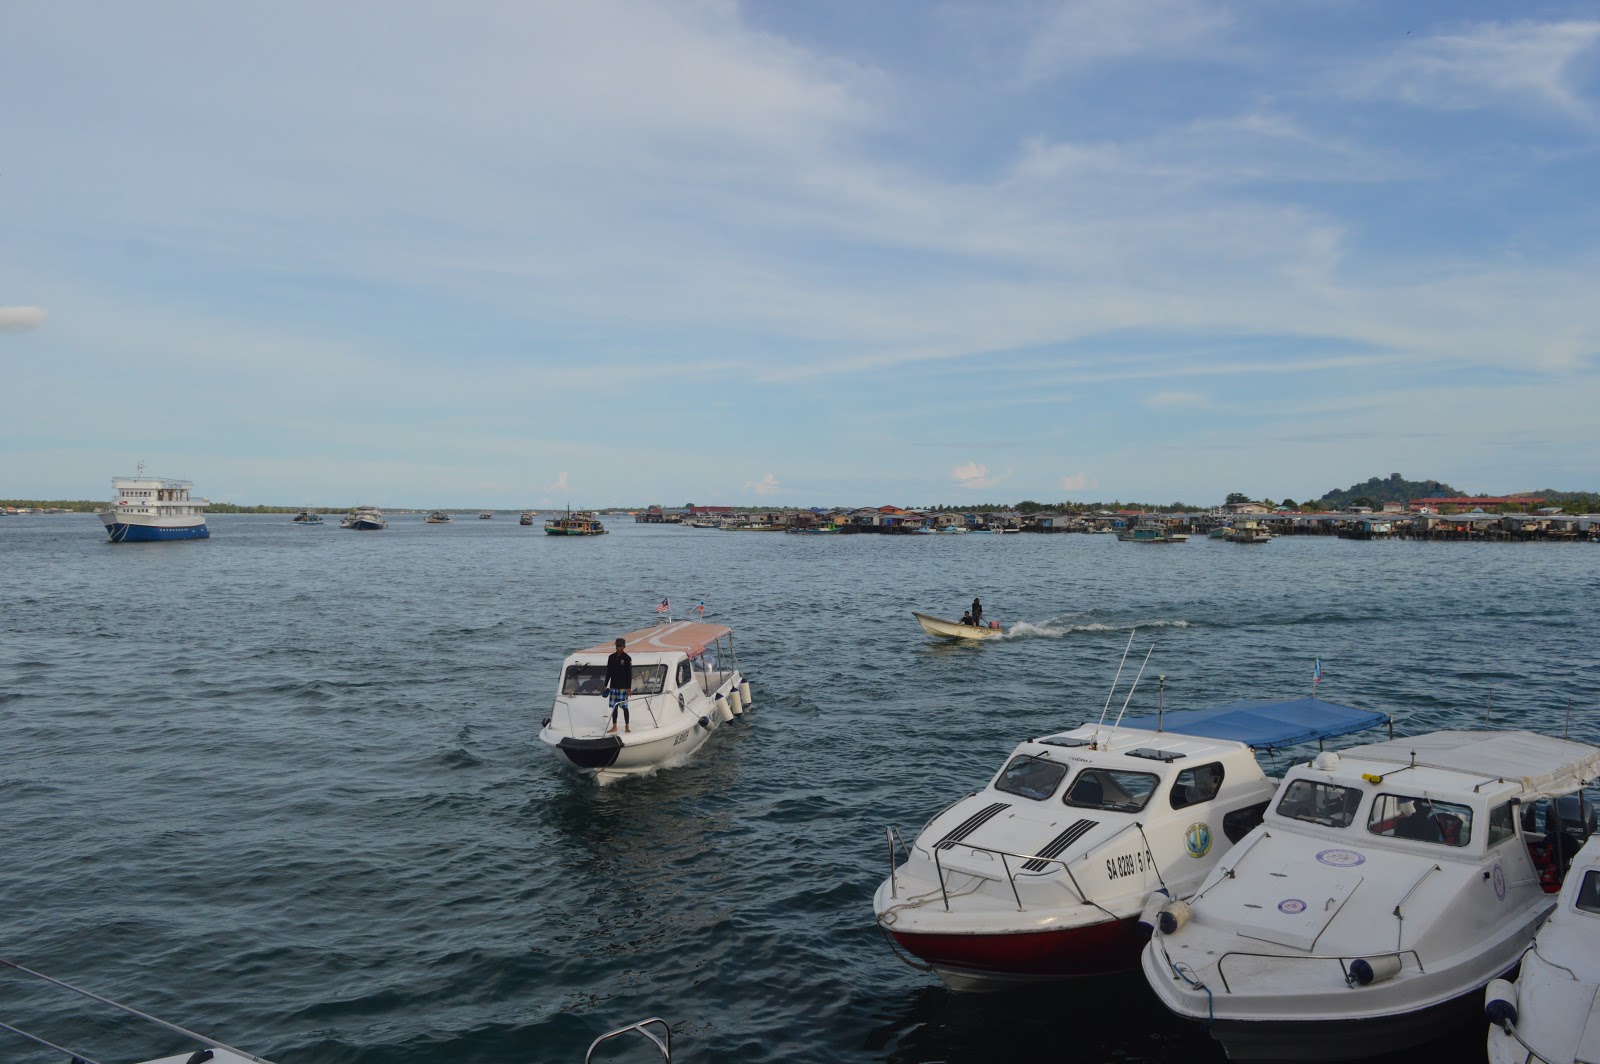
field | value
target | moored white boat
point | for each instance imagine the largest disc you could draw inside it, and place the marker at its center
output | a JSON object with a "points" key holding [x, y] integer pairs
{"points": [[153, 509], [955, 629], [1554, 1006], [1384, 889], [364, 519], [1042, 874], [686, 685]]}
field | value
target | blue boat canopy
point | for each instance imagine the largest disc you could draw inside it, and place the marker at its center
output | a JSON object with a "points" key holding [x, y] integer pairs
{"points": [[1266, 723]]}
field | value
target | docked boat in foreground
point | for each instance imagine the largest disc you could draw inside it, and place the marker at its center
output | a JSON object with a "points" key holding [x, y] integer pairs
{"points": [[364, 519], [686, 684], [1386, 886], [956, 630], [205, 1049], [574, 523], [1551, 1015], [153, 509], [1043, 873]]}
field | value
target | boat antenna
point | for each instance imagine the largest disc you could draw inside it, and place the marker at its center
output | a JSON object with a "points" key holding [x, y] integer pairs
{"points": [[1568, 729], [1107, 707], [1161, 700], [1134, 687]]}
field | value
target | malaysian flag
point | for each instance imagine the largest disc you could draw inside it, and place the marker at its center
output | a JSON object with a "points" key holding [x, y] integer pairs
{"points": [[664, 607]]}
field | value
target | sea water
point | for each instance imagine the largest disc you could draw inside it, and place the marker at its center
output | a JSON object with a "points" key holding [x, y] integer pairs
{"points": [[284, 786]]}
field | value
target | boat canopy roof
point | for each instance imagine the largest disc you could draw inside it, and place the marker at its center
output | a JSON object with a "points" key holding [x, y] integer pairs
{"points": [[688, 637], [1543, 764], [1266, 723]]}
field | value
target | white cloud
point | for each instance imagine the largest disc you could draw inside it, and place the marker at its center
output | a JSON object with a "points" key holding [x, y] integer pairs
{"points": [[974, 475], [560, 484], [1487, 64], [767, 485], [1078, 482], [1171, 399], [1079, 33], [21, 319]]}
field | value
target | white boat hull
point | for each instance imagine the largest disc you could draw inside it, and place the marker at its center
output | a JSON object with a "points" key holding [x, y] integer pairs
{"points": [[610, 756], [954, 629]]}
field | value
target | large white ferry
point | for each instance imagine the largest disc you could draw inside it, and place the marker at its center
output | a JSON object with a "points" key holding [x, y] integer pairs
{"points": [[686, 684], [153, 508]]}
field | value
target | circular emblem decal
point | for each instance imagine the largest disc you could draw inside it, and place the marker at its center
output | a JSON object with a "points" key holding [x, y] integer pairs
{"points": [[1341, 858], [1499, 882], [1292, 906], [1197, 840]]}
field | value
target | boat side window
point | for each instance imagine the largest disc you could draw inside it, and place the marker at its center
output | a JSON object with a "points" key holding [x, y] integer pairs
{"points": [[1031, 777], [1502, 823], [1110, 789], [1316, 802], [683, 673], [1197, 785], [1404, 816], [584, 680], [1589, 894], [647, 679]]}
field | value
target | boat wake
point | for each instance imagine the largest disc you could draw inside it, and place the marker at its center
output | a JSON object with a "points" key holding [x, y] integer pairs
{"points": [[1056, 628]]}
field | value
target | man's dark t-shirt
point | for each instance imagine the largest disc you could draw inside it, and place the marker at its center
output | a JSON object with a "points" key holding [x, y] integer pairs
{"points": [[619, 671]]}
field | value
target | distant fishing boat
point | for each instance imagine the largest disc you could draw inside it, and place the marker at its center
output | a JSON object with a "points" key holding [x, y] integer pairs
{"points": [[486, 515], [575, 523], [306, 517], [527, 517], [437, 517], [364, 519], [153, 509]]}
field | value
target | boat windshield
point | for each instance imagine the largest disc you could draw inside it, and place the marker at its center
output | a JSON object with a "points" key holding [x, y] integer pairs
{"points": [[1110, 789], [1314, 802], [1589, 893], [1404, 816], [1031, 777], [591, 680]]}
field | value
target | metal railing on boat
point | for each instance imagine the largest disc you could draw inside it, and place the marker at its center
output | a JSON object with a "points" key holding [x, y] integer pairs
{"points": [[643, 1028], [1343, 962]]}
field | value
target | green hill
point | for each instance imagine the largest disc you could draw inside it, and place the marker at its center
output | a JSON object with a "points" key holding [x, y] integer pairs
{"points": [[1395, 488]]}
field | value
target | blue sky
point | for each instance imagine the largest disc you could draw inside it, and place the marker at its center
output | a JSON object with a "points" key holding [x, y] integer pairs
{"points": [[832, 252]]}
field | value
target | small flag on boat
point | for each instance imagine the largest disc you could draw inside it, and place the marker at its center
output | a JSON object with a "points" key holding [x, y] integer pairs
{"points": [[701, 607], [1316, 673], [664, 607]]}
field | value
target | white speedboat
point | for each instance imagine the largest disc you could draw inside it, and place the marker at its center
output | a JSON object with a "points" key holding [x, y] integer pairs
{"points": [[204, 1049], [1384, 889], [364, 519], [1043, 873], [956, 630], [153, 509], [686, 684], [1552, 1013]]}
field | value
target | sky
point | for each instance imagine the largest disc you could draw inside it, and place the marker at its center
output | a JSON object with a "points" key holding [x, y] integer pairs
{"points": [[825, 253]]}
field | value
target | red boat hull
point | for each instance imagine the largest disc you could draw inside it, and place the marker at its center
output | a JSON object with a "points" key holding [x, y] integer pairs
{"points": [[1093, 949]]}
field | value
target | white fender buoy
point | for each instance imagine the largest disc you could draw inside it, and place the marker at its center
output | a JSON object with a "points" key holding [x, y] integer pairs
{"points": [[1173, 917], [1364, 971], [744, 693], [734, 704], [1500, 1004], [724, 714], [1152, 908]]}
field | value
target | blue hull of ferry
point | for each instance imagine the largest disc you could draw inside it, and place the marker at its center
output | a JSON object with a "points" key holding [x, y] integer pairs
{"points": [[121, 533]]}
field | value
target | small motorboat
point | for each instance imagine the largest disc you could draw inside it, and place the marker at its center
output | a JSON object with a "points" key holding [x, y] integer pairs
{"points": [[437, 517], [203, 1048], [1042, 874], [527, 517], [957, 630], [306, 517], [1551, 1015], [1384, 889], [686, 684], [486, 515]]}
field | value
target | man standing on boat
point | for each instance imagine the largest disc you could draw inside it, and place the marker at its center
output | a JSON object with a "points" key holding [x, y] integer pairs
{"points": [[619, 681], [977, 613]]}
